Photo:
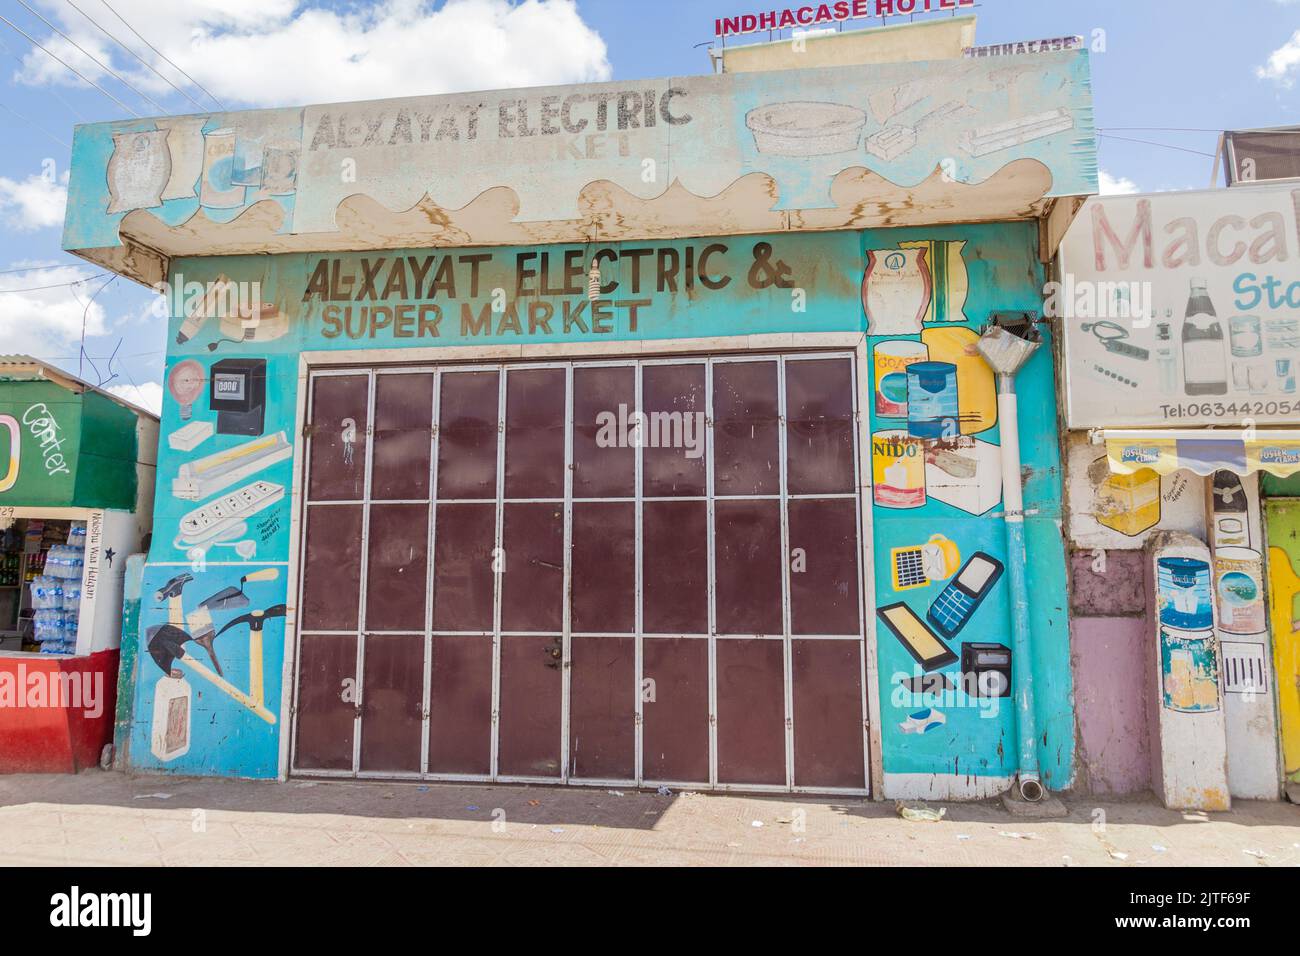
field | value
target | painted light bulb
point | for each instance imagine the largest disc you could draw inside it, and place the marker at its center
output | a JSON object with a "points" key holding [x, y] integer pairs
{"points": [[186, 385]]}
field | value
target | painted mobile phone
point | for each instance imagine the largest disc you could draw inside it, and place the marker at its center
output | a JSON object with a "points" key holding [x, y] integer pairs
{"points": [[952, 610], [926, 649]]}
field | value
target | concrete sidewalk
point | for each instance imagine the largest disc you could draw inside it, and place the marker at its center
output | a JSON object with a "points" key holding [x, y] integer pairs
{"points": [[111, 818]]}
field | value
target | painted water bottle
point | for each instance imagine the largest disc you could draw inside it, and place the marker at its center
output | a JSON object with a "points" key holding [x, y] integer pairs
{"points": [[170, 733], [1205, 367]]}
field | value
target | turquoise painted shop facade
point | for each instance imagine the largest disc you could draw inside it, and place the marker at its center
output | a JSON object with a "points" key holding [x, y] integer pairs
{"points": [[422, 300], [829, 205], [977, 739]]}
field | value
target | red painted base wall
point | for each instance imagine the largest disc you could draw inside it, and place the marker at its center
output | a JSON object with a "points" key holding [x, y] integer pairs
{"points": [[57, 737]]}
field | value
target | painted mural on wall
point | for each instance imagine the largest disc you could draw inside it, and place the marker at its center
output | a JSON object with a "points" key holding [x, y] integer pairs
{"points": [[1180, 309], [215, 590], [901, 125], [1189, 658], [208, 681], [1120, 512], [228, 430], [942, 605]]}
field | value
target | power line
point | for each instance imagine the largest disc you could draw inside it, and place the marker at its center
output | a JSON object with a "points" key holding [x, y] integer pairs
{"points": [[1147, 142], [103, 66], [142, 60], [35, 126], [84, 79], [61, 285], [97, 358], [112, 375], [1157, 129], [84, 314], [57, 265], [161, 54]]}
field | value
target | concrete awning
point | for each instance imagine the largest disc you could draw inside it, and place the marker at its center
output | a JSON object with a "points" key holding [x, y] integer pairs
{"points": [[893, 144]]}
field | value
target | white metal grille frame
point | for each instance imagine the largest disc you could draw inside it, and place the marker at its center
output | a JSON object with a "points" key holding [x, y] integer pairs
{"points": [[428, 635]]}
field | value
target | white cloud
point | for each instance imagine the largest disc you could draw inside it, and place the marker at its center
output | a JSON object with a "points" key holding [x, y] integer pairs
{"points": [[281, 52], [147, 396], [1282, 63], [46, 322], [1115, 185], [37, 202]]}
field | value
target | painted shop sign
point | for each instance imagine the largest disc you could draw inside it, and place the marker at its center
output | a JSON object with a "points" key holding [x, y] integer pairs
{"points": [[818, 14], [481, 295], [1182, 308], [62, 448], [44, 427], [700, 134], [40, 430], [675, 289], [604, 111]]}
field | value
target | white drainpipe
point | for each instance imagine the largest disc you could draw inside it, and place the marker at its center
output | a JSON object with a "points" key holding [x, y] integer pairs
{"points": [[1007, 352]]}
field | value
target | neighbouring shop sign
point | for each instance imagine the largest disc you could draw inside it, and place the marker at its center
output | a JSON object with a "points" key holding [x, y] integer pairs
{"points": [[818, 14], [40, 433], [1023, 47], [1182, 309], [1256, 156]]}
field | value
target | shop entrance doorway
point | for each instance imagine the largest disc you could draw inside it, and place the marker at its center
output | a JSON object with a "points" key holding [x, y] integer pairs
{"points": [[638, 572], [42, 571]]}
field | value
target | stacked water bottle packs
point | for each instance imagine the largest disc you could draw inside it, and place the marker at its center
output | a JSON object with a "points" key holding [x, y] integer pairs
{"points": [[49, 622], [65, 561], [56, 595]]}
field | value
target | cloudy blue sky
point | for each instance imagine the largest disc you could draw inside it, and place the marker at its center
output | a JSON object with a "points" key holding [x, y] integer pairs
{"points": [[1172, 73]]}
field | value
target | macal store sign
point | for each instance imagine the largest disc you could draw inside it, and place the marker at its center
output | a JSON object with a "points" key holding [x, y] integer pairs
{"points": [[1182, 309], [812, 15]]}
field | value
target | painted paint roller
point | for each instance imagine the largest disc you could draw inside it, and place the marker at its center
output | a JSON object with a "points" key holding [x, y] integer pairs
{"points": [[203, 308]]}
